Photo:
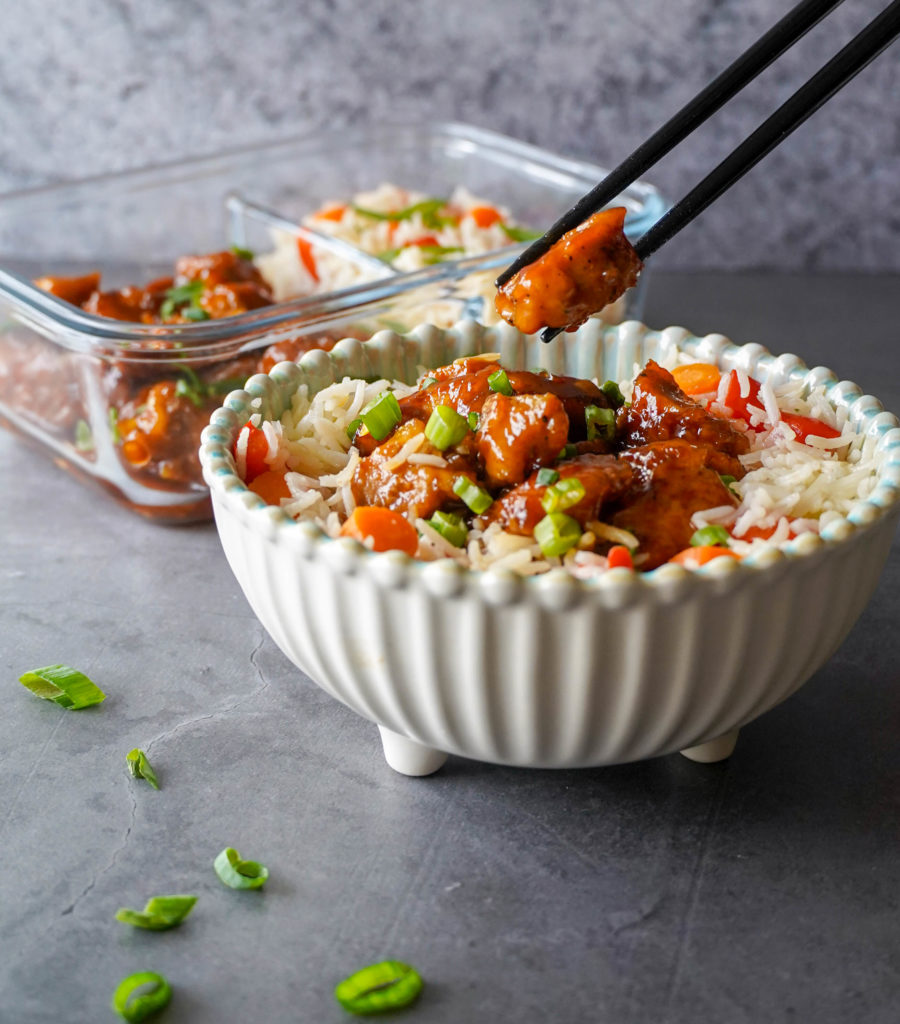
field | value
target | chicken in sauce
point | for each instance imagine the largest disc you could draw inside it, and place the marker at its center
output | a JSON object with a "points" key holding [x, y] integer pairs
{"points": [[589, 267]]}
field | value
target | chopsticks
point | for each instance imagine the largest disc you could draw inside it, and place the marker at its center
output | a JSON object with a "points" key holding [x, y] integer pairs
{"points": [[847, 63]]}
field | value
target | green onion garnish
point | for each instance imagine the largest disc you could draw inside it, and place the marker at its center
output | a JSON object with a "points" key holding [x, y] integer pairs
{"points": [[515, 234], [112, 418], [64, 685], [613, 393], [136, 1006], [191, 387], [353, 427], [556, 533], [160, 913], [242, 253], [180, 299], [194, 313], [445, 427], [381, 415], [389, 985], [710, 536], [388, 255], [428, 208], [450, 526], [436, 253], [473, 419], [427, 382], [728, 480], [499, 382], [84, 437], [140, 767], [563, 494], [546, 477], [568, 451], [237, 873], [477, 498], [600, 422]]}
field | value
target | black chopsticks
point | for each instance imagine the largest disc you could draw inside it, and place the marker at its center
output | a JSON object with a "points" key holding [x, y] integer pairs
{"points": [[859, 52]]}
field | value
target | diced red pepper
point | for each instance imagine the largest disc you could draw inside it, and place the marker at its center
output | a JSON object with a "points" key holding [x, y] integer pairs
{"points": [[619, 557], [806, 426], [257, 449], [738, 403]]}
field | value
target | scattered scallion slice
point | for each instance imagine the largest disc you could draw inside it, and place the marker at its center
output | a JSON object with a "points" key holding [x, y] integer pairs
{"points": [[477, 498], [377, 988], [728, 480], [381, 415], [237, 873], [546, 477], [515, 234], [84, 437], [710, 536], [600, 422], [562, 495], [613, 393], [112, 418], [450, 526], [64, 685], [182, 297], [140, 767], [557, 533], [160, 913], [427, 208], [436, 253], [242, 253], [568, 451], [445, 427], [135, 1005], [473, 419], [353, 426], [427, 382], [499, 382]]}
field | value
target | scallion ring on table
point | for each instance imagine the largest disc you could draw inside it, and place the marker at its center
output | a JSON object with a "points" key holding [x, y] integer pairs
{"points": [[159, 914], [378, 988], [237, 873], [63, 685], [140, 767], [134, 1005]]}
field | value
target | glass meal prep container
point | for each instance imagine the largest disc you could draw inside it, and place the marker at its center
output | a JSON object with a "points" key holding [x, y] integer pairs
{"points": [[121, 403]]}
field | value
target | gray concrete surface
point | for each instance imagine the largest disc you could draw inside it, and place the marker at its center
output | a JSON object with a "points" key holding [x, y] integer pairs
{"points": [[94, 85], [760, 891]]}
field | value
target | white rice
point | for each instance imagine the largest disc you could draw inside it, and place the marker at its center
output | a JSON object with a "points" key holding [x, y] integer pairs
{"points": [[790, 488]]}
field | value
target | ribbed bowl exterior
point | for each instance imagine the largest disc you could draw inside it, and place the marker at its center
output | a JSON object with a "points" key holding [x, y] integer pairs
{"points": [[549, 671]]}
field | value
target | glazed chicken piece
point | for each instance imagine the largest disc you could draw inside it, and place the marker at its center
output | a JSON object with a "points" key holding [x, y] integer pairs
{"points": [[410, 488], [231, 284], [674, 479], [661, 411], [518, 434], [76, 290], [605, 479], [589, 267]]}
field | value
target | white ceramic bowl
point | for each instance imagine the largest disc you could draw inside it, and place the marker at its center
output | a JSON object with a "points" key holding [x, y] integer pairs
{"points": [[548, 671]]}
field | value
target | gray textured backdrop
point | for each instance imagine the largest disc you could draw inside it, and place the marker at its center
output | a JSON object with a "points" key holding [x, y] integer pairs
{"points": [[93, 85]]}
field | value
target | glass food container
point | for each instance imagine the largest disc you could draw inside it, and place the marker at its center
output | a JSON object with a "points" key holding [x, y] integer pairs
{"points": [[122, 404]]}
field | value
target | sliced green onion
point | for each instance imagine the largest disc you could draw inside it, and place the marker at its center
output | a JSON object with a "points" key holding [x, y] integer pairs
{"points": [[237, 873], [136, 1006], [499, 382], [473, 419], [613, 393], [435, 253], [353, 427], [568, 451], [112, 418], [556, 533], [160, 913], [600, 422], [563, 494], [84, 437], [381, 415], [450, 526], [515, 234], [389, 985], [427, 382], [477, 498], [183, 295], [140, 767], [64, 685], [388, 255], [728, 480], [194, 313], [445, 427], [242, 253], [428, 208], [708, 536], [546, 477]]}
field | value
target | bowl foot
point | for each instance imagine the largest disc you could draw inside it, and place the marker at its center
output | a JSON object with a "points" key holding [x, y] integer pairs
{"points": [[409, 757], [713, 750]]}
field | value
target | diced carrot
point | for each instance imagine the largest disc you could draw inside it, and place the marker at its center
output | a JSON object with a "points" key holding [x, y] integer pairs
{"points": [[806, 426], [693, 558], [619, 557], [257, 449], [331, 213], [304, 248], [757, 533], [271, 486], [697, 378], [484, 216], [387, 529], [424, 240]]}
